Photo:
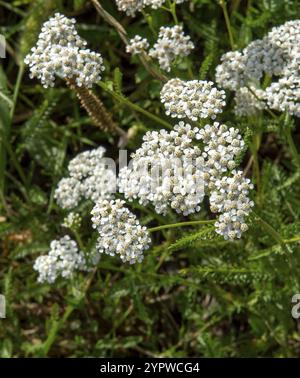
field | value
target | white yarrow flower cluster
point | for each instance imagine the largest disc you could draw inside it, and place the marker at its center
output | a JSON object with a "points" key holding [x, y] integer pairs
{"points": [[89, 178], [284, 95], [170, 170], [167, 170], [131, 7], [270, 67], [229, 74], [192, 99], [171, 43], [137, 45], [249, 66], [63, 260], [120, 233], [72, 221], [61, 52], [221, 146], [230, 197], [249, 101]]}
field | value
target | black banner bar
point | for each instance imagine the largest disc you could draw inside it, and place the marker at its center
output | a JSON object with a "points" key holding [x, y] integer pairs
{"points": [[97, 367]]}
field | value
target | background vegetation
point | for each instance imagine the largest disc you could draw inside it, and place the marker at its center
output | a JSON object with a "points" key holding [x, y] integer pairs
{"points": [[195, 294]]}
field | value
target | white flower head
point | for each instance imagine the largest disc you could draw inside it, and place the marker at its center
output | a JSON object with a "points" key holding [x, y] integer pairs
{"points": [[270, 67], [171, 43], [166, 171], [89, 178], [137, 45], [72, 221], [230, 197], [192, 99], [177, 169], [284, 95], [131, 7], [61, 52], [63, 260], [120, 233], [249, 101], [221, 146], [230, 73]]}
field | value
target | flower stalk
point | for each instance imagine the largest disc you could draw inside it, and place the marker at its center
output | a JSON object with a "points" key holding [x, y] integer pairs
{"points": [[96, 110], [181, 224]]}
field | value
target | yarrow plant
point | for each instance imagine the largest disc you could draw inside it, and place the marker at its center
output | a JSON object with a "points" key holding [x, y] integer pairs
{"points": [[63, 260], [172, 43], [131, 7], [166, 171], [172, 169], [192, 99], [120, 233], [61, 52], [89, 178], [265, 74], [137, 45], [188, 173], [180, 211], [230, 197]]}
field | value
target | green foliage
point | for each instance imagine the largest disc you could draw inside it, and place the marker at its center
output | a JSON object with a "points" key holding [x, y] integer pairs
{"points": [[195, 294], [207, 235]]}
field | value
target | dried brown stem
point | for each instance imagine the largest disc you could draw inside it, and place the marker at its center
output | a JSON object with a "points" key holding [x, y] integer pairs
{"points": [[123, 35]]}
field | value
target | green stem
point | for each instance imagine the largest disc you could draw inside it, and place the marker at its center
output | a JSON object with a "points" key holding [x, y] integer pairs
{"points": [[290, 140], [292, 146], [273, 115], [57, 325], [172, 10], [78, 239], [12, 9], [269, 252], [228, 24], [271, 231], [255, 147], [181, 224], [51, 200], [295, 239], [148, 19], [269, 111], [135, 107], [189, 68], [149, 66], [17, 88], [15, 162], [55, 328]]}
